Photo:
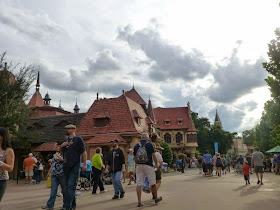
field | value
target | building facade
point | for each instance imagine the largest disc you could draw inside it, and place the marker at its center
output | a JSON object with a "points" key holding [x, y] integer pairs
{"points": [[124, 118], [177, 129]]}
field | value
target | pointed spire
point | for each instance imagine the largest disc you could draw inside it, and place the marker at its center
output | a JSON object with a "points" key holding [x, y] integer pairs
{"points": [[38, 82], [76, 108], [217, 118], [133, 88], [218, 121], [60, 107], [150, 111], [5, 66]]}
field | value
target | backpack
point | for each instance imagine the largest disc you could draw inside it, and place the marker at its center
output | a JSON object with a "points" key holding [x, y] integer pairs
{"points": [[141, 154], [200, 159], [219, 162]]}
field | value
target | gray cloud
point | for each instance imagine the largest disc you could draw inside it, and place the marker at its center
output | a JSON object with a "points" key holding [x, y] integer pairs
{"points": [[103, 61], [90, 79], [167, 61], [236, 79], [249, 105], [231, 117], [39, 28]]}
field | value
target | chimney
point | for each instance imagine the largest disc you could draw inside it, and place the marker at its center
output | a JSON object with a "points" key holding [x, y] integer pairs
{"points": [[97, 96], [123, 92]]}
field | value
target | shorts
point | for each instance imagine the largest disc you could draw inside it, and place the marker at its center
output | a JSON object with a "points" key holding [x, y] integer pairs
{"points": [[247, 177], [130, 169], [259, 169], [199, 165], [208, 166], [143, 171], [158, 175], [28, 172]]}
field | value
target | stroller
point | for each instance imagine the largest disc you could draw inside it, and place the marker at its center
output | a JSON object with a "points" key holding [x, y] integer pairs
{"points": [[86, 177]]}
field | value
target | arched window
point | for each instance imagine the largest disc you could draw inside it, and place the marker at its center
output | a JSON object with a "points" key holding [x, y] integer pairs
{"points": [[179, 138], [167, 138]]}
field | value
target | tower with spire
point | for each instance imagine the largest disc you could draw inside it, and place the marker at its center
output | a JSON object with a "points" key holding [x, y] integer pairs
{"points": [[76, 108], [150, 111], [36, 100], [218, 121], [47, 100]]}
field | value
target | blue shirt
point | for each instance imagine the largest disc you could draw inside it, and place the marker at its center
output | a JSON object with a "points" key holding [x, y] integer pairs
{"points": [[207, 158]]}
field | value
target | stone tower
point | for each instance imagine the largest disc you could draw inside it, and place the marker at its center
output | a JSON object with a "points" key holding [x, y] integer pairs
{"points": [[218, 121]]}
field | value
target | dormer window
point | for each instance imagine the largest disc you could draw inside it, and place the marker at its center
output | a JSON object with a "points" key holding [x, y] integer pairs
{"points": [[100, 122], [167, 121], [137, 117], [180, 121], [101, 119]]}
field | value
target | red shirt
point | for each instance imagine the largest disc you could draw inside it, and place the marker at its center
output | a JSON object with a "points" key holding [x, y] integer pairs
{"points": [[246, 169]]}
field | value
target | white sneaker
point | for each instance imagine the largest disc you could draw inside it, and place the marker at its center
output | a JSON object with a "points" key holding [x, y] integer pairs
{"points": [[59, 194], [103, 191], [77, 193]]}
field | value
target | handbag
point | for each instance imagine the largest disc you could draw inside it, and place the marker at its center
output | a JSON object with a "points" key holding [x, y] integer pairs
{"points": [[146, 186], [48, 181]]}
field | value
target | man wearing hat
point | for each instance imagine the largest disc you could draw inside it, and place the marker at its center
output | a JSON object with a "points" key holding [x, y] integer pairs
{"points": [[72, 148], [116, 164]]}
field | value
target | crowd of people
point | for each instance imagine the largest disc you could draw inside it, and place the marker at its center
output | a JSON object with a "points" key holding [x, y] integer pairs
{"points": [[144, 162], [256, 162], [143, 166]]}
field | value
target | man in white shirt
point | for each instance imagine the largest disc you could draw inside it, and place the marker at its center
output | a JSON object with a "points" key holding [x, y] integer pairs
{"points": [[159, 162]]}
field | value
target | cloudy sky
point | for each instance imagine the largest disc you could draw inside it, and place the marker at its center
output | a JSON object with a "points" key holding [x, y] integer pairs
{"points": [[209, 53]]}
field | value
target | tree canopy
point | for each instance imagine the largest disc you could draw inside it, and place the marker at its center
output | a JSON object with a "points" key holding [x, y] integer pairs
{"points": [[207, 134], [267, 133], [166, 153], [14, 113]]}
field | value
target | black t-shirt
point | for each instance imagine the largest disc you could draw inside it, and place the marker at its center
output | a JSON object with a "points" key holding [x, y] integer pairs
{"points": [[72, 153], [149, 148], [116, 159], [249, 160], [240, 160]]}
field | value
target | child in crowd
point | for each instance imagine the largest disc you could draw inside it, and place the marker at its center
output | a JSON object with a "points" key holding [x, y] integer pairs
{"points": [[246, 170]]}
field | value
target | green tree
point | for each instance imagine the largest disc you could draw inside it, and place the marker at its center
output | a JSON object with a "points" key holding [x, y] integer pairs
{"points": [[266, 133], [166, 153], [14, 113], [248, 137], [207, 134]]}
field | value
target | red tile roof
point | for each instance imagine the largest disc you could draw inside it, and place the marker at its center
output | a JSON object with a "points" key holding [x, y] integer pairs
{"points": [[36, 100], [44, 111], [47, 147], [101, 114], [134, 95], [173, 114], [105, 139], [120, 117], [121, 111]]}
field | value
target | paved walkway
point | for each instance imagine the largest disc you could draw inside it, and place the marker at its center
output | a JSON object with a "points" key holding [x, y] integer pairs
{"points": [[179, 191]]}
